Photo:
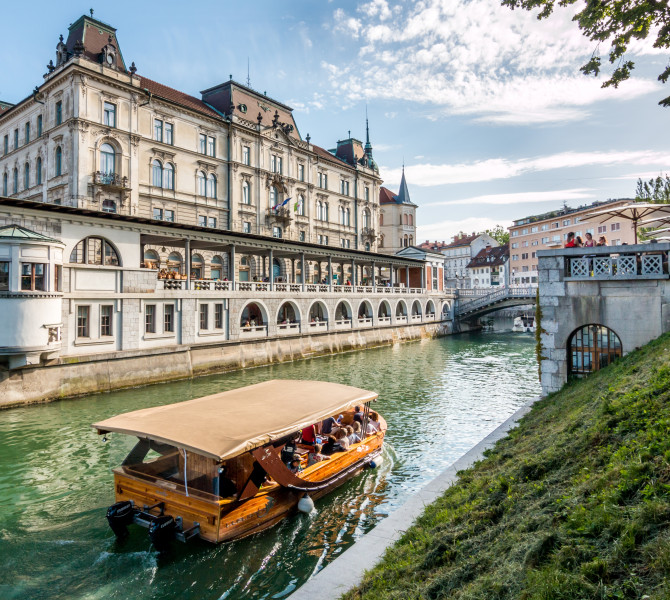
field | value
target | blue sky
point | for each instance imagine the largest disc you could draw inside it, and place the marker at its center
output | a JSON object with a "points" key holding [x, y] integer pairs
{"points": [[485, 106]]}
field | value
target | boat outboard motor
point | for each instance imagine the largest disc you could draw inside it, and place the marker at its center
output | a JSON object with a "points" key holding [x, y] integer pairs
{"points": [[162, 532], [119, 516]]}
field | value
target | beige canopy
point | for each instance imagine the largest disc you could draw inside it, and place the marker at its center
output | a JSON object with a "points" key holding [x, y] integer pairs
{"points": [[227, 424]]}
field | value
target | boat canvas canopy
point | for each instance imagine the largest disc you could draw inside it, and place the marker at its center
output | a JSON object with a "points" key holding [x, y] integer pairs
{"points": [[230, 423]]}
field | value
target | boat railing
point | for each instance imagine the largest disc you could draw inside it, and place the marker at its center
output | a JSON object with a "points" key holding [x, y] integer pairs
{"points": [[170, 484]]}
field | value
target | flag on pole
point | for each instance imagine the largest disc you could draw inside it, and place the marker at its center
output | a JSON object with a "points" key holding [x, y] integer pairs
{"points": [[285, 202]]}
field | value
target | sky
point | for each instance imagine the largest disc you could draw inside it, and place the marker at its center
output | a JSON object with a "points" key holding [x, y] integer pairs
{"points": [[484, 106]]}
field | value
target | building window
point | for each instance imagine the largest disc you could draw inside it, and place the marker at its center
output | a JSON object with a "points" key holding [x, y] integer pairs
{"points": [[211, 146], [168, 318], [5, 192], [276, 232], [83, 313], [16, 181], [59, 112], [246, 193], [246, 227], [4, 275], [211, 222], [211, 186], [204, 314], [32, 277], [158, 130], [202, 221], [323, 181], [158, 214], [168, 176], [95, 251], [16, 139], [301, 236], [106, 320], [6, 145], [344, 187], [109, 115], [168, 215], [59, 161], [157, 173], [276, 163], [300, 208], [39, 126], [301, 172], [38, 171], [150, 318], [274, 196], [217, 265], [202, 184], [246, 155], [591, 348], [615, 227], [109, 206], [107, 159], [27, 140], [545, 240], [169, 134], [602, 228], [26, 176], [218, 316], [367, 194]]}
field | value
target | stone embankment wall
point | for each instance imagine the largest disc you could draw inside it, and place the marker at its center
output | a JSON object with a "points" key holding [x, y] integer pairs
{"points": [[75, 376]]}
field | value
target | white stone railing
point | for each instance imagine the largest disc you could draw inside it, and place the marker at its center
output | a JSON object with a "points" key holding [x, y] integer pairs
{"points": [[211, 285], [382, 320], [318, 325], [253, 331], [416, 318], [343, 323], [173, 284], [365, 321], [288, 327], [401, 319]]}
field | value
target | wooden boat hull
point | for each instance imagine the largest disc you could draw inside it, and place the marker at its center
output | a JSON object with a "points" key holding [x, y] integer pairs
{"points": [[224, 520]]}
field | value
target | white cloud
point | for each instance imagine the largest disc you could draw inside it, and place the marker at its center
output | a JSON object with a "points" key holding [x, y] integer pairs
{"points": [[446, 230], [477, 58], [520, 198], [427, 175]]}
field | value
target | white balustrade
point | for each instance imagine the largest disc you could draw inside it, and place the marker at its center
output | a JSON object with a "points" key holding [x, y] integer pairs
{"points": [[384, 320], [416, 318], [364, 321]]}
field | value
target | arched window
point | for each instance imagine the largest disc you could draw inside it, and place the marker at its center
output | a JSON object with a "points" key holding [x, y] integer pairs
{"points": [[252, 316], [325, 211], [404, 219], [211, 186], [411, 240], [107, 159], [301, 205], [59, 161], [95, 251], [151, 260], [108, 206], [244, 269], [157, 173], [367, 246], [319, 211], [348, 219], [246, 193], [202, 184], [38, 171], [16, 181], [366, 219], [410, 219], [197, 266], [168, 176], [217, 265], [381, 241], [26, 176], [340, 214], [590, 348], [174, 262], [5, 191]]}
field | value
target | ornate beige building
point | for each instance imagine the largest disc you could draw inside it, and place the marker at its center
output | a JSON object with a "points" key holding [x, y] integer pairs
{"points": [[397, 219], [98, 136]]}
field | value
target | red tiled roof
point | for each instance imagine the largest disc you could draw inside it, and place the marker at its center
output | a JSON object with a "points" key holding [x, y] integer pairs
{"points": [[491, 257], [386, 196], [168, 93], [323, 153]]}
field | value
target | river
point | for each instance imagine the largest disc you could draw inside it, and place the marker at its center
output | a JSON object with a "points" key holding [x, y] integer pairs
{"points": [[439, 397]]}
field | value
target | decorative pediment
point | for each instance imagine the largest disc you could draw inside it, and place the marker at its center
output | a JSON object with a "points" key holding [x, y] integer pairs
{"points": [[163, 154], [206, 166]]}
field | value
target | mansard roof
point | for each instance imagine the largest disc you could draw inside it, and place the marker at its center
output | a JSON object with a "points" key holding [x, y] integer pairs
{"points": [[21, 233], [167, 93], [92, 36]]}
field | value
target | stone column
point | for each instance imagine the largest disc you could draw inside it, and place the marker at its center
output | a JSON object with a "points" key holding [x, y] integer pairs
{"points": [[302, 270], [423, 277], [374, 276], [407, 277], [271, 266], [391, 269], [231, 268], [187, 259], [330, 273]]}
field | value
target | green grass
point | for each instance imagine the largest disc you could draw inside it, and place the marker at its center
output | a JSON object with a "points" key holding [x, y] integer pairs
{"points": [[574, 503]]}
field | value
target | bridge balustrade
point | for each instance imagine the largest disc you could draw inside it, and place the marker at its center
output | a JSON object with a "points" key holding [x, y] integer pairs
{"points": [[623, 264]]}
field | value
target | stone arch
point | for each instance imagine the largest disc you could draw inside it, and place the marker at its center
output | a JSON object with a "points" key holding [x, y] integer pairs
{"points": [[430, 309], [175, 262], [446, 309], [245, 268], [401, 309], [590, 348], [365, 310], [288, 312], [216, 267], [151, 259], [254, 314], [416, 308], [384, 310], [197, 266], [96, 250], [318, 312], [343, 311]]}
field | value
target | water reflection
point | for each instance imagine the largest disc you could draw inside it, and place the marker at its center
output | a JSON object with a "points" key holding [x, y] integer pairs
{"points": [[439, 397]]}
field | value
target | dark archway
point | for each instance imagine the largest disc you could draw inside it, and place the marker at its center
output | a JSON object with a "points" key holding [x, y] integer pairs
{"points": [[591, 348]]}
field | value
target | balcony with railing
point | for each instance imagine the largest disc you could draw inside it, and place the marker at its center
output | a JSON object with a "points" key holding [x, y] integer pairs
{"points": [[279, 214], [111, 181], [641, 261]]}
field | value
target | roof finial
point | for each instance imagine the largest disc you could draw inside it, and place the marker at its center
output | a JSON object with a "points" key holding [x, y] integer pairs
{"points": [[91, 10], [248, 76]]}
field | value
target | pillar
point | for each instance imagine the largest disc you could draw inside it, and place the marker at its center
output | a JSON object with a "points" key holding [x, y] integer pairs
{"points": [[407, 277], [231, 268], [391, 270], [353, 272], [187, 258], [330, 272], [271, 266], [302, 270], [423, 277]]}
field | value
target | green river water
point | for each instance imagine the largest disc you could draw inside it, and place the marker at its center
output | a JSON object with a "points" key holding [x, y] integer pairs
{"points": [[439, 397]]}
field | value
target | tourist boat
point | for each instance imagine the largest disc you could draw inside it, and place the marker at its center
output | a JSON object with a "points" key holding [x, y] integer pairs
{"points": [[524, 324], [212, 467]]}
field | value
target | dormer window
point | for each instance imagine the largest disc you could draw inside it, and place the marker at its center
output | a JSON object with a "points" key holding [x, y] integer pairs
{"points": [[109, 55]]}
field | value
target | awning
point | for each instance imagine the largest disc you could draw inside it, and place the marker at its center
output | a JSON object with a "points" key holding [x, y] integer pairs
{"points": [[227, 424]]}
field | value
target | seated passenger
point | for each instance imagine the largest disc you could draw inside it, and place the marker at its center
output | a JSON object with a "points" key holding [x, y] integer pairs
{"points": [[289, 449], [309, 435], [327, 426], [358, 414], [373, 423], [226, 486], [331, 446], [342, 439], [294, 465], [353, 432], [316, 456]]}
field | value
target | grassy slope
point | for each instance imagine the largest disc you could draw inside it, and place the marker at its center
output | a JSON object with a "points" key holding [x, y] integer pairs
{"points": [[574, 503]]}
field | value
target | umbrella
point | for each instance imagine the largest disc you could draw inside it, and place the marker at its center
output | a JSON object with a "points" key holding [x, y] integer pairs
{"points": [[633, 212]]}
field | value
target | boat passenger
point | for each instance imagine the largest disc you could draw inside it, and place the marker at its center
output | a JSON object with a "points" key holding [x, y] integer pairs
{"points": [[373, 423], [316, 456], [353, 436], [358, 414], [327, 425], [309, 435], [342, 439], [331, 446], [294, 466], [289, 449]]}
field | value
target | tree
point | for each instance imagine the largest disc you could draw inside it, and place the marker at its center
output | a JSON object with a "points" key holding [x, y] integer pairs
{"points": [[656, 190], [617, 22], [499, 234]]}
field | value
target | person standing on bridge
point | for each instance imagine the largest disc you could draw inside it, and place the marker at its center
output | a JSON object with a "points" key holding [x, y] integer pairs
{"points": [[570, 243]]}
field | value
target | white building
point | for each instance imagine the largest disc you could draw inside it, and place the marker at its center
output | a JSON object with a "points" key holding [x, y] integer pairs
{"points": [[490, 268]]}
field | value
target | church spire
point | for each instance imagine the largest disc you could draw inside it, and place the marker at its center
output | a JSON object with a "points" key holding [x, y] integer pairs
{"points": [[368, 145], [403, 193]]}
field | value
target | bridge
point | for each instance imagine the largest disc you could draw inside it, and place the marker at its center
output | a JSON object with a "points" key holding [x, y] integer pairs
{"points": [[473, 304]]}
